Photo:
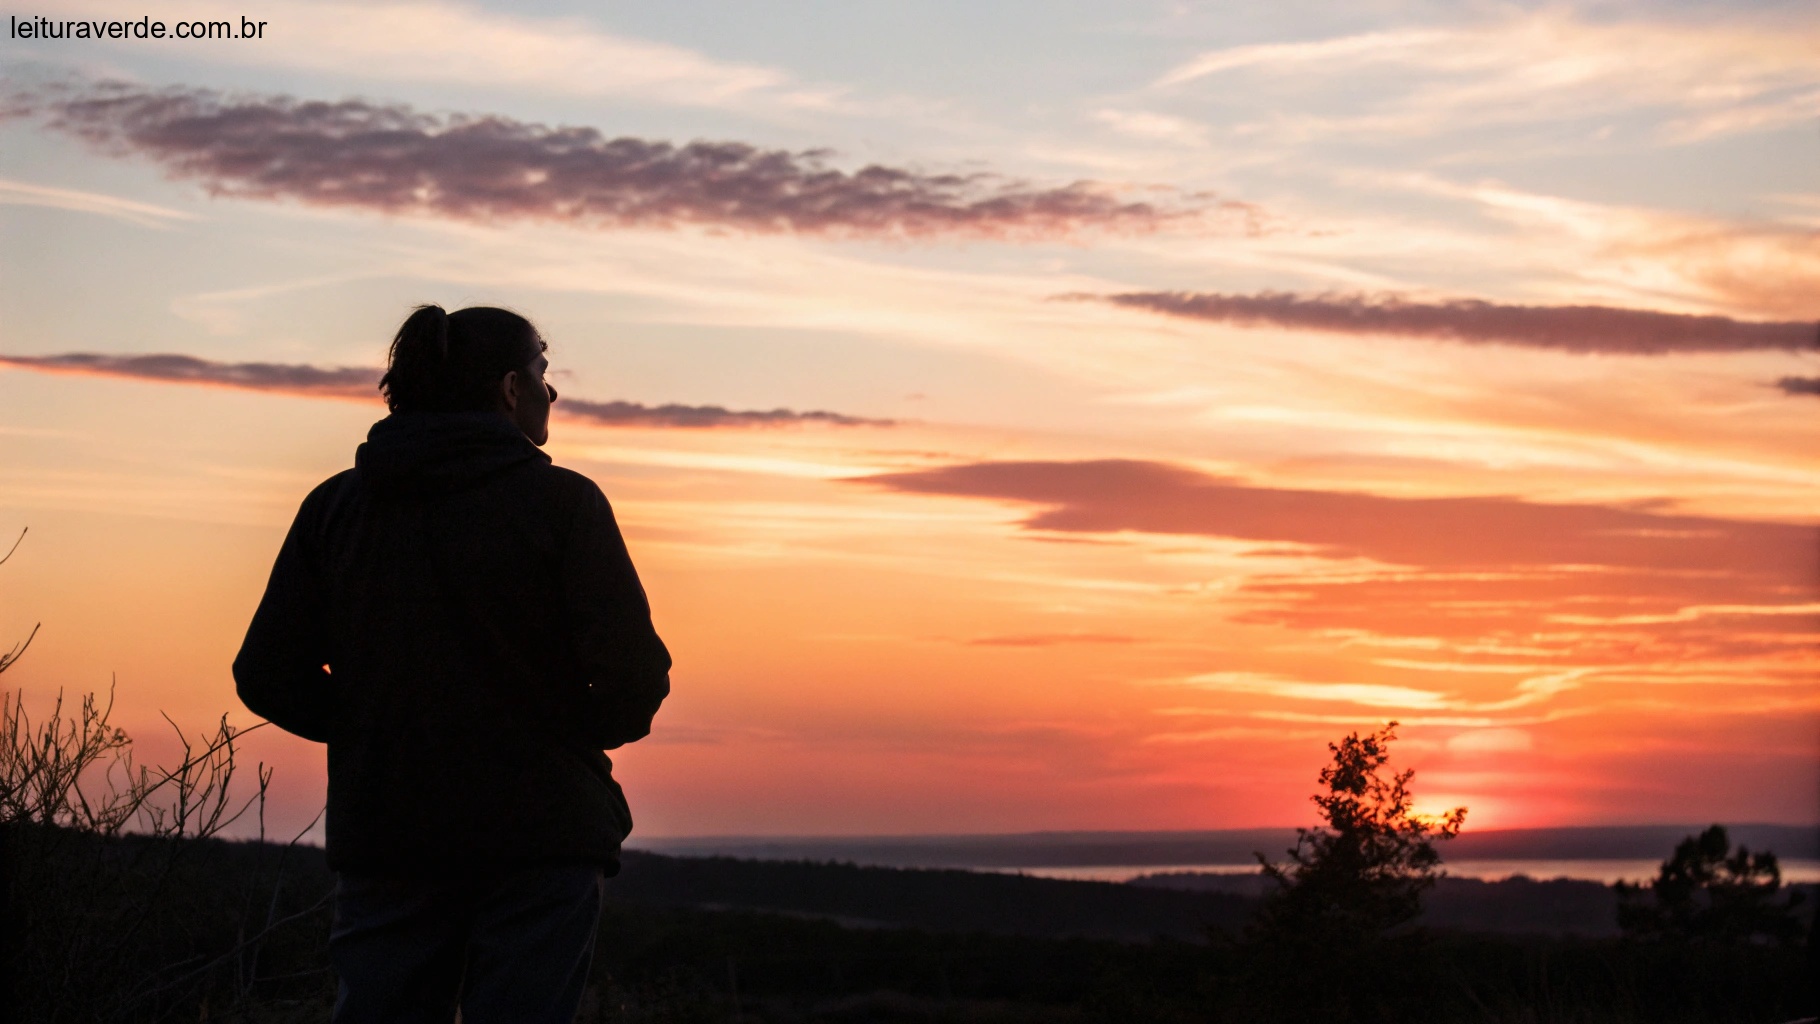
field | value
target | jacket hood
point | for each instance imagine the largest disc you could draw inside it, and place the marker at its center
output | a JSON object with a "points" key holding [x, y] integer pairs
{"points": [[440, 452]]}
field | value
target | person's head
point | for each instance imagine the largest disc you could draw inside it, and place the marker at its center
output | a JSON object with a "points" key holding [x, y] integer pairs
{"points": [[479, 359]]}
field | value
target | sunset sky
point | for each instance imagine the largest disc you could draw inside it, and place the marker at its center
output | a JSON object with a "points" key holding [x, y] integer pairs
{"points": [[1022, 415]]}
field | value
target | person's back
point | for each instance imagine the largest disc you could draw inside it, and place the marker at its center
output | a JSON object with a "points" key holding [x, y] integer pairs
{"points": [[459, 621]]}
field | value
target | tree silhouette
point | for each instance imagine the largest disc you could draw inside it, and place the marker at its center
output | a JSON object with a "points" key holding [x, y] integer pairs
{"points": [[1708, 892], [8, 657], [1362, 873]]}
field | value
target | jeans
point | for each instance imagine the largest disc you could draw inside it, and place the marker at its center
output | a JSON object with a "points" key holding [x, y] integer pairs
{"points": [[506, 945]]}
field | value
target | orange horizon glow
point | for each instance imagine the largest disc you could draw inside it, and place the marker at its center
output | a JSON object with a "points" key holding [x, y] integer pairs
{"points": [[897, 603], [1082, 437]]}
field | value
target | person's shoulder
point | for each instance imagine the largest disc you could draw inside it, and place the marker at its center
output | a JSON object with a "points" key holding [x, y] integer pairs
{"points": [[326, 494], [328, 489], [335, 483], [571, 487]]}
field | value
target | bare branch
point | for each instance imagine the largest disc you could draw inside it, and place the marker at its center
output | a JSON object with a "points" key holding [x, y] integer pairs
{"points": [[19, 649], [15, 547]]}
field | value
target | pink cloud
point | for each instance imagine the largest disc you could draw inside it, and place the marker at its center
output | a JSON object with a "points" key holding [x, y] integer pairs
{"points": [[361, 383], [1580, 329], [390, 158], [1560, 580], [1109, 495], [290, 378]]}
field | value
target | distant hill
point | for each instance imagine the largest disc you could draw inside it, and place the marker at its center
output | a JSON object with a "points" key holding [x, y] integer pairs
{"points": [[1180, 905], [935, 900], [1235, 846]]}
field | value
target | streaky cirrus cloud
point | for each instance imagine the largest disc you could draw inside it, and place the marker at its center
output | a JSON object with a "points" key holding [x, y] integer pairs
{"points": [[1691, 78], [1757, 267], [1491, 577], [289, 378], [429, 41], [390, 158], [1049, 639], [363, 383], [1583, 329], [19, 193], [1111, 495], [633, 414]]}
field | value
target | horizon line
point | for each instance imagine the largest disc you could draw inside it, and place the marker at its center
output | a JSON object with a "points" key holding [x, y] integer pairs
{"points": [[1056, 833]]}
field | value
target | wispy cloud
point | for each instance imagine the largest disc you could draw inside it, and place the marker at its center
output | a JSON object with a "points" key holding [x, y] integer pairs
{"points": [[290, 378], [1110, 495], [633, 414], [1369, 47], [363, 383], [1756, 267], [1588, 329], [20, 193], [1696, 80], [1800, 385], [1050, 639], [1153, 126], [390, 158], [1374, 695], [468, 45], [1571, 584]]}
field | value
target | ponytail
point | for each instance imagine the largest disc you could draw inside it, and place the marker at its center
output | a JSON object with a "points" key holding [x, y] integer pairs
{"points": [[451, 362]]}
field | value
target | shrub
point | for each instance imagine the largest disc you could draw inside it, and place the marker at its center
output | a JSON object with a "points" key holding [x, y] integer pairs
{"points": [[1707, 892]]}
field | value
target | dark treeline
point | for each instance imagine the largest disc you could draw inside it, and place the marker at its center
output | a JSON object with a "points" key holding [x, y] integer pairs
{"points": [[943, 900], [716, 939], [1180, 905], [1513, 906], [1223, 846]]}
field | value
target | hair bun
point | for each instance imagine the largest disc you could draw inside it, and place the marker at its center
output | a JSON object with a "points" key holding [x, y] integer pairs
{"points": [[430, 369], [439, 320]]}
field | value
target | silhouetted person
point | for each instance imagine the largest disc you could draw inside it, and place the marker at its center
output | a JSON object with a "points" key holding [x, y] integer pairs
{"points": [[459, 621]]}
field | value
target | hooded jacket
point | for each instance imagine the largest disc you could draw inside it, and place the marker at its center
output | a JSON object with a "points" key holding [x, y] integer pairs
{"points": [[459, 621]]}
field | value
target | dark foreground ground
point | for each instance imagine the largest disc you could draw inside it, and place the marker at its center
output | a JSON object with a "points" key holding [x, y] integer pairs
{"points": [[139, 931]]}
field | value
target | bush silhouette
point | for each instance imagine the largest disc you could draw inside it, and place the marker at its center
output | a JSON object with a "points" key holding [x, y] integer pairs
{"points": [[1708, 892], [108, 868]]}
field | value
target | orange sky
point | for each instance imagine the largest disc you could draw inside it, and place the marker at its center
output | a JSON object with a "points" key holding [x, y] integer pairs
{"points": [[1188, 439]]}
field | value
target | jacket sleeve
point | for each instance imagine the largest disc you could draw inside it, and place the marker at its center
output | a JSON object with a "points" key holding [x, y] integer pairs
{"points": [[627, 666], [280, 672]]}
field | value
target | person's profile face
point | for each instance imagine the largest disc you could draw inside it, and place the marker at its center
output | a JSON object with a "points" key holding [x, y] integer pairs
{"points": [[533, 397]]}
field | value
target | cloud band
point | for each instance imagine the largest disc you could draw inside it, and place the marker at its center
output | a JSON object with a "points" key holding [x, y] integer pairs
{"points": [[1578, 584], [361, 383], [389, 158], [1582, 329]]}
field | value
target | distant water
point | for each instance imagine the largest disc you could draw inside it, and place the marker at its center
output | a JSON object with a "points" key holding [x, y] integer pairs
{"points": [[1593, 853], [1606, 871]]}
